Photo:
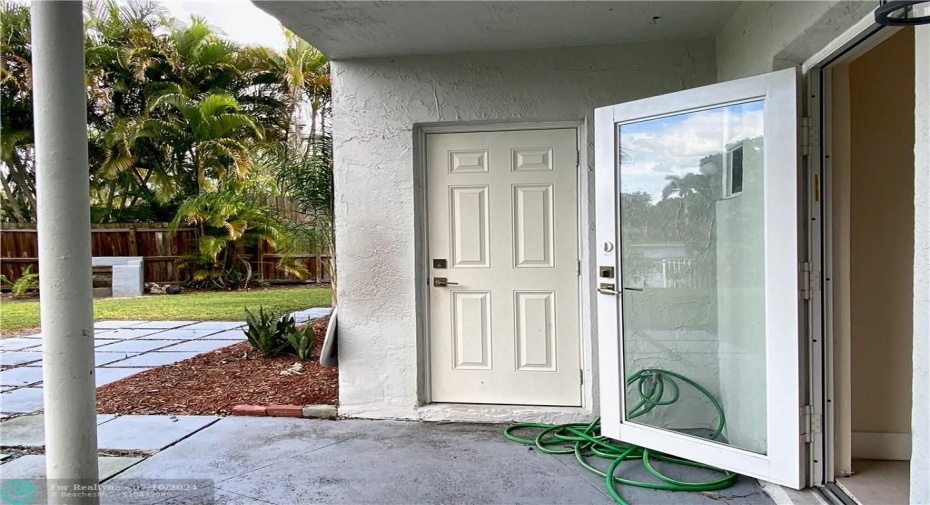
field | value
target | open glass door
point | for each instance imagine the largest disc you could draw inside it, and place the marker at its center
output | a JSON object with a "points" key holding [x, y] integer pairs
{"points": [[699, 329]]}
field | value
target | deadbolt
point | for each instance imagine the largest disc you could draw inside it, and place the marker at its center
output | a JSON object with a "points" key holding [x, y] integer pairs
{"points": [[440, 263], [607, 272]]}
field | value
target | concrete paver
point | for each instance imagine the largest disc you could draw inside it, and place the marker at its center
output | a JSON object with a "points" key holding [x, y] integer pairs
{"points": [[115, 324], [305, 315], [215, 325], [148, 433], [126, 333], [106, 375], [163, 325], [21, 400], [12, 358], [29, 431], [17, 344], [134, 346], [236, 334], [155, 358], [200, 345], [178, 334], [21, 376]]}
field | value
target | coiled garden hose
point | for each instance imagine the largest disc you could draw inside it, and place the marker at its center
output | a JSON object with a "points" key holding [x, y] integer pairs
{"points": [[585, 441]]}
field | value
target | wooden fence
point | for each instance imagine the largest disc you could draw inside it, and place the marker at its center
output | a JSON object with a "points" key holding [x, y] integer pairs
{"points": [[161, 251]]}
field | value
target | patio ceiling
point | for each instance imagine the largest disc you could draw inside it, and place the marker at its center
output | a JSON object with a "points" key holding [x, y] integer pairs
{"points": [[345, 30]]}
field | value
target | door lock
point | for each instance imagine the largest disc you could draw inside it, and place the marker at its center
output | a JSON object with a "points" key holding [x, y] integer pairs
{"points": [[441, 282]]}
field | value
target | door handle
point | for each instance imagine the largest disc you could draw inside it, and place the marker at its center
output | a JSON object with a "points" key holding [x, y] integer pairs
{"points": [[441, 282], [607, 289]]}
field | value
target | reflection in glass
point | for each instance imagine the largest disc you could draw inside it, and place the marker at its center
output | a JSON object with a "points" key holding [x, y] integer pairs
{"points": [[692, 269]]}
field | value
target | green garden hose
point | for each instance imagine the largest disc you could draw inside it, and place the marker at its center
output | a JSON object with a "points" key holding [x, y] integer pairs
{"points": [[585, 441]]}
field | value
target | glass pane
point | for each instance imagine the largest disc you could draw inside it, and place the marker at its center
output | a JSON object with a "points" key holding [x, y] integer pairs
{"points": [[692, 266]]}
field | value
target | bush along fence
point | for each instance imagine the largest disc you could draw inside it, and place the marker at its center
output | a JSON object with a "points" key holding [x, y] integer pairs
{"points": [[161, 251]]}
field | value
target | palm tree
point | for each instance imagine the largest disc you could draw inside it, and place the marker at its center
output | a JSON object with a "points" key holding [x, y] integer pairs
{"points": [[300, 75], [208, 136], [17, 178]]}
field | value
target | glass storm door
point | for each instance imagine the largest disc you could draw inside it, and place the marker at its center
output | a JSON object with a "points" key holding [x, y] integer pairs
{"points": [[698, 302]]}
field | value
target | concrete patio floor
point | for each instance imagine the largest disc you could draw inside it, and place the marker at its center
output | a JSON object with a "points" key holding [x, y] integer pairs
{"points": [[245, 460]]}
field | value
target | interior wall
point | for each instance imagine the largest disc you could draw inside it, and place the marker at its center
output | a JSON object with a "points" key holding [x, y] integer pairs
{"points": [[377, 103], [881, 235]]}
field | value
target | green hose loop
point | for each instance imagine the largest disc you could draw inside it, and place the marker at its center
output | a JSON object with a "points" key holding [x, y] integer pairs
{"points": [[585, 441]]}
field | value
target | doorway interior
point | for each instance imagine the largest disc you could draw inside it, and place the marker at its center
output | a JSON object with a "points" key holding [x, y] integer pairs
{"points": [[868, 161]]}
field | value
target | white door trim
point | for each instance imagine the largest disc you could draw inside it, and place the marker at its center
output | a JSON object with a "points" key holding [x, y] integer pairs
{"points": [[434, 411]]}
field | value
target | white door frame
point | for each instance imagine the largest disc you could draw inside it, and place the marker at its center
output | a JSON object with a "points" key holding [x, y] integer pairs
{"points": [[585, 180], [859, 38]]}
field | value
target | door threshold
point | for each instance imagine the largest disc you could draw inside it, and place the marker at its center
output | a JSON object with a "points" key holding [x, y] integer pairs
{"points": [[482, 413]]}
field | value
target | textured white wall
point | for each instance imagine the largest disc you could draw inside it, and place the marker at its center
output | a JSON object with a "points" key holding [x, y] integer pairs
{"points": [[920, 424], [377, 102], [765, 36]]}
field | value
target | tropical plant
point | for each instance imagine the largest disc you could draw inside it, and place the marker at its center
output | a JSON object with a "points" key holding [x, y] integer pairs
{"points": [[26, 282], [207, 133], [17, 170], [271, 333], [234, 216], [306, 176], [264, 332], [301, 341]]}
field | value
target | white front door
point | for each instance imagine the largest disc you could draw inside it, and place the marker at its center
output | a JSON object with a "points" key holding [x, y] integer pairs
{"points": [[503, 258], [699, 303]]}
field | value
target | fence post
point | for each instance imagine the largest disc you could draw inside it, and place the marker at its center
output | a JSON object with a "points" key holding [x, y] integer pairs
{"points": [[133, 245]]}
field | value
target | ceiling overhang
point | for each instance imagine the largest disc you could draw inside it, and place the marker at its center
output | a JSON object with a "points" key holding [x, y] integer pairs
{"points": [[344, 30]]}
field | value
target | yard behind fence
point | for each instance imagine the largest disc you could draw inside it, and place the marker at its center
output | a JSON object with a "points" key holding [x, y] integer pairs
{"points": [[161, 251]]}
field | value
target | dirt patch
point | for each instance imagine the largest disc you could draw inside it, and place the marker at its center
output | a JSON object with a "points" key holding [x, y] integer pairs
{"points": [[214, 382]]}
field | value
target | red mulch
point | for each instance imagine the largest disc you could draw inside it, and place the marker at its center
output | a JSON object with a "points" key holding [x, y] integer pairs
{"points": [[214, 382]]}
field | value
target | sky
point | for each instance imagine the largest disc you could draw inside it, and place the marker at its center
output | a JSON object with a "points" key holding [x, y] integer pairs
{"points": [[674, 145], [240, 20]]}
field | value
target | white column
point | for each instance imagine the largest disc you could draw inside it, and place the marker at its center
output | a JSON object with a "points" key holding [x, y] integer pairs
{"points": [[65, 287]]}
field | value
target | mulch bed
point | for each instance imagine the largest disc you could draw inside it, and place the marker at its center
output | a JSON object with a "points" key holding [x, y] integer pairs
{"points": [[214, 382]]}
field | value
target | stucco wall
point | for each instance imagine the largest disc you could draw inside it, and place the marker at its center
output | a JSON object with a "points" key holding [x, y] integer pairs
{"points": [[376, 105], [920, 422], [765, 36]]}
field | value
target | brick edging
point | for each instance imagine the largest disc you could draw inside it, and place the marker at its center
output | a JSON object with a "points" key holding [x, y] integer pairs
{"points": [[312, 411]]}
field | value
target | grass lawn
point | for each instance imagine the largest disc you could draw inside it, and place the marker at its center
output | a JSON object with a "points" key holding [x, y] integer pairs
{"points": [[198, 306]]}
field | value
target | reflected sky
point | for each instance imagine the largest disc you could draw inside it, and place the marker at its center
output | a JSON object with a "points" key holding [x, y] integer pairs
{"points": [[674, 145]]}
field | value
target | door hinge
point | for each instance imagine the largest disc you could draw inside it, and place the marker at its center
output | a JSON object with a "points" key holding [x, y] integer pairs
{"points": [[577, 158], [581, 376], [810, 136], [811, 424], [579, 268], [805, 136], [808, 280]]}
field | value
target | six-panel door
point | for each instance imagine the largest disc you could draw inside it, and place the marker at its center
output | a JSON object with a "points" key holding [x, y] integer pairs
{"points": [[503, 252]]}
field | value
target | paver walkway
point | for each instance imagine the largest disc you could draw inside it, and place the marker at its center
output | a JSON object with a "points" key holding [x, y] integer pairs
{"points": [[122, 348]]}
